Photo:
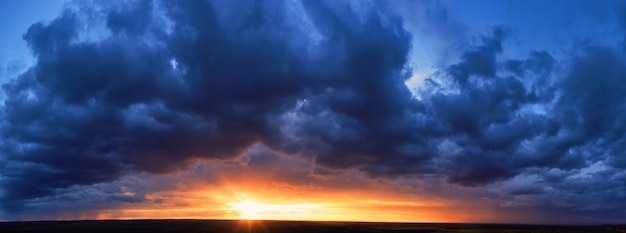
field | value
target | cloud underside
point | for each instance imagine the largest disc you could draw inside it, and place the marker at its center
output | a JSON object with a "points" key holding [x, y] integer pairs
{"points": [[166, 84]]}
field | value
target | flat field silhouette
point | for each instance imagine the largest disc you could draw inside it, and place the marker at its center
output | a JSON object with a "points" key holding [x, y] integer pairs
{"points": [[264, 226]]}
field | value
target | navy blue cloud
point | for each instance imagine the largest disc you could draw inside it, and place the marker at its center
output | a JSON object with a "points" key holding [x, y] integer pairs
{"points": [[153, 99], [175, 82]]}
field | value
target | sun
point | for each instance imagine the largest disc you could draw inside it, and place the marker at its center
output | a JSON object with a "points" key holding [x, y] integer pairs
{"points": [[250, 209], [253, 210]]}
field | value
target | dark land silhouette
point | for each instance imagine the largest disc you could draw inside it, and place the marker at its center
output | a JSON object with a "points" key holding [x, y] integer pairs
{"points": [[262, 226]]}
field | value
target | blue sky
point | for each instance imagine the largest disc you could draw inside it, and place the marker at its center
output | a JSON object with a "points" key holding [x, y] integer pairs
{"points": [[137, 109], [17, 16]]}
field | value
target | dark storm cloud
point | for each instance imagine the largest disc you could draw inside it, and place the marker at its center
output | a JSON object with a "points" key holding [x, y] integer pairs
{"points": [[207, 85], [539, 62], [499, 126], [480, 61], [179, 81], [593, 105], [565, 128]]}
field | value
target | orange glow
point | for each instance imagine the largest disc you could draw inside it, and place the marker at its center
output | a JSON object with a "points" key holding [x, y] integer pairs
{"points": [[253, 210], [322, 206], [263, 195], [326, 206]]}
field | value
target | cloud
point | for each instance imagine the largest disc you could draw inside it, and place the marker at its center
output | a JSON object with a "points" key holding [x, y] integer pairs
{"points": [[93, 111]]}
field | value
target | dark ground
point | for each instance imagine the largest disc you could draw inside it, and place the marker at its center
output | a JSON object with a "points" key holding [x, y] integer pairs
{"points": [[156, 226]]}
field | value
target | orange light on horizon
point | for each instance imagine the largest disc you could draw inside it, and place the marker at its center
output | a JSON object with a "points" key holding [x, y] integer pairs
{"points": [[252, 210], [229, 204], [244, 195], [358, 208]]}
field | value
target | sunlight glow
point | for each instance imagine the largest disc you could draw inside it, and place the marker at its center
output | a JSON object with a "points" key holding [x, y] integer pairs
{"points": [[253, 210]]}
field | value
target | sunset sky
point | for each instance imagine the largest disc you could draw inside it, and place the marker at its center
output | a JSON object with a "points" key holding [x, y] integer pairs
{"points": [[403, 111]]}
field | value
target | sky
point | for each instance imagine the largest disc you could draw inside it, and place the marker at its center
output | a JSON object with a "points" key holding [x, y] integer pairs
{"points": [[487, 111]]}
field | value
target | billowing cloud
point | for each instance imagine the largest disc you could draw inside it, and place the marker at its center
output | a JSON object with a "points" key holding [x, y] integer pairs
{"points": [[152, 98], [149, 88]]}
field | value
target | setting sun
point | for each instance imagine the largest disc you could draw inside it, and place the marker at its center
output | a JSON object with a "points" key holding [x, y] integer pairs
{"points": [[253, 210], [249, 209]]}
